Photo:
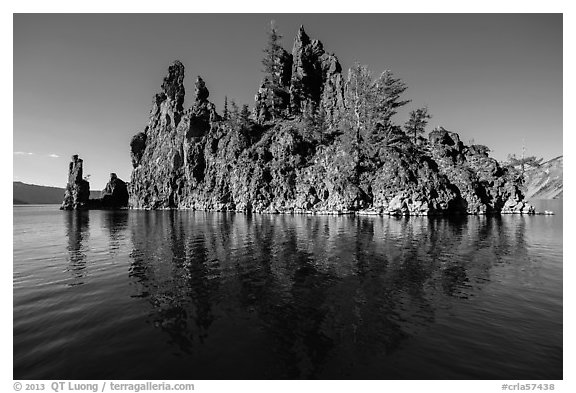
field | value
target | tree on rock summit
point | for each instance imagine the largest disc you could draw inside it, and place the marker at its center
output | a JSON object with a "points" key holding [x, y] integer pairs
{"points": [[273, 54], [417, 123]]}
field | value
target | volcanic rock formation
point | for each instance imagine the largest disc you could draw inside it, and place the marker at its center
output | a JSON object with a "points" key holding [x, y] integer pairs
{"points": [[77, 191], [309, 79], [286, 160], [115, 194]]}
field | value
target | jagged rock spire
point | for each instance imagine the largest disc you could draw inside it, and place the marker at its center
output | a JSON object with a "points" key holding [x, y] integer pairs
{"points": [[173, 84], [316, 76], [75, 170], [77, 189], [167, 156], [313, 80], [200, 90], [302, 37]]}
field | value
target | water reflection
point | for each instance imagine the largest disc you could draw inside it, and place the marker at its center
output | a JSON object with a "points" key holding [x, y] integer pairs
{"points": [[115, 222], [316, 297], [77, 232]]}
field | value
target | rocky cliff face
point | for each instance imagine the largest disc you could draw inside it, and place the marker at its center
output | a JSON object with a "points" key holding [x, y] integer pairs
{"points": [[546, 181], [282, 161], [484, 185], [167, 156]]}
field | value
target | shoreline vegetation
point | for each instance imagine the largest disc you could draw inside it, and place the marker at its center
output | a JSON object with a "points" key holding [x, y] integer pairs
{"points": [[315, 142]]}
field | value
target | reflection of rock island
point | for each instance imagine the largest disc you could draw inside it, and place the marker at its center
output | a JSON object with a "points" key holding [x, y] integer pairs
{"points": [[282, 280], [315, 142], [77, 231]]}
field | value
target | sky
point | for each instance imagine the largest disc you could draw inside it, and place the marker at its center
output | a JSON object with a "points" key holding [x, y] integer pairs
{"points": [[83, 83]]}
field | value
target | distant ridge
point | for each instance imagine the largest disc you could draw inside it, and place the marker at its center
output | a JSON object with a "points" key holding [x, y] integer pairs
{"points": [[29, 194], [545, 182]]}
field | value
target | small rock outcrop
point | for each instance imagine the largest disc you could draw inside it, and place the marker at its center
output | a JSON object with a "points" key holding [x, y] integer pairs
{"points": [[482, 182], [77, 191], [115, 194], [272, 102], [77, 194], [137, 146]]}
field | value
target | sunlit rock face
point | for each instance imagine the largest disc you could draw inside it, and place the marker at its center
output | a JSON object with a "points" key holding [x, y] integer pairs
{"points": [[316, 78], [77, 191], [484, 185], [165, 156], [276, 159]]}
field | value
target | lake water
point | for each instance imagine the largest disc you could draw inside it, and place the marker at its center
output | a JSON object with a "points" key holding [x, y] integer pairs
{"points": [[194, 295]]}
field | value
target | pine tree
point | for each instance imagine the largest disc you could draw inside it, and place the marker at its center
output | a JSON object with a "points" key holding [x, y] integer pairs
{"points": [[387, 92], [225, 113], [370, 105], [417, 122], [273, 53], [319, 123], [234, 112], [244, 115], [314, 122], [358, 99], [523, 163], [371, 102]]}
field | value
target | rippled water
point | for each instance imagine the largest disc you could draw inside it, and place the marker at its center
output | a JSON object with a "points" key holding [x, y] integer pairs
{"points": [[193, 295]]}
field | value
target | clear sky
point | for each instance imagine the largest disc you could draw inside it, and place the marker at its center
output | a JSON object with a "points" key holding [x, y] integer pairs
{"points": [[83, 84]]}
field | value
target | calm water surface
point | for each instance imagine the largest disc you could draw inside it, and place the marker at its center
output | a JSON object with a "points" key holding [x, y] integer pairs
{"points": [[193, 295]]}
